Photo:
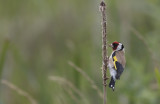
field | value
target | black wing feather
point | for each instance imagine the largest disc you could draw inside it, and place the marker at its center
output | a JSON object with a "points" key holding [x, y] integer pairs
{"points": [[119, 70]]}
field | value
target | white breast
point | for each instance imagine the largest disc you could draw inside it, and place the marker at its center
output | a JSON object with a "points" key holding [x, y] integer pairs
{"points": [[111, 67]]}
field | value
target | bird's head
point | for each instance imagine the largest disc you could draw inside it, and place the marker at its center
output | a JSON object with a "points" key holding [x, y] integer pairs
{"points": [[117, 46]]}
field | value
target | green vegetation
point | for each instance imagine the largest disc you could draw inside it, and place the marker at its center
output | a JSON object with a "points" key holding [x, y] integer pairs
{"points": [[43, 42]]}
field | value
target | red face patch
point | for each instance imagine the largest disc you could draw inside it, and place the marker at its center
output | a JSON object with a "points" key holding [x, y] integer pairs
{"points": [[115, 45], [115, 42]]}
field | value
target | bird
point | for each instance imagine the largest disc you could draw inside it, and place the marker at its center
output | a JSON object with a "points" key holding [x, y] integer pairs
{"points": [[116, 62]]}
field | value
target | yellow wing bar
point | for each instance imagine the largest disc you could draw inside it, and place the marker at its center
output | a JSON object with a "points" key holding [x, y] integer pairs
{"points": [[115, 59]]}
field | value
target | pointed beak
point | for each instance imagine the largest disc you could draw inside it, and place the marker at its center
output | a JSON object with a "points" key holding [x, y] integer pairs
{"points": [[110, 45]]}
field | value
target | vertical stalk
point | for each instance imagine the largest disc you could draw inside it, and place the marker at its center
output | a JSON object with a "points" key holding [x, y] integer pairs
{"points": [[104, 48]]}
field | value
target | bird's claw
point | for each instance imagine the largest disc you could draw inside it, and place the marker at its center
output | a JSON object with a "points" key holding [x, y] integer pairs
{"points": [[106, 78]]}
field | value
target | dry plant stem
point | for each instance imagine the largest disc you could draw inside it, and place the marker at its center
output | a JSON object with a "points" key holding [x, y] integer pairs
{"points": [[87, 78], [19, 91], [104, 48]]}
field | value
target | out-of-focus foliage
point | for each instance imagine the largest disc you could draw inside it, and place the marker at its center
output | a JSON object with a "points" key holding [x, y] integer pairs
{"points": [[3, 55], [157, 76], [44, 35]]}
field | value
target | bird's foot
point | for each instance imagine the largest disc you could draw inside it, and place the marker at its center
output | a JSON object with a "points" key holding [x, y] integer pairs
{"points": [[106, 78]]}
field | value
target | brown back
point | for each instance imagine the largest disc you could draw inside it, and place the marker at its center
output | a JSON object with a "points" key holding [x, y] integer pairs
{"points": [[121, 58]]}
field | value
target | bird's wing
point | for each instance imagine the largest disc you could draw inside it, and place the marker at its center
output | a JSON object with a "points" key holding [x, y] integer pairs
{"points": [[121, 58], [115, 60], [118, 62]]}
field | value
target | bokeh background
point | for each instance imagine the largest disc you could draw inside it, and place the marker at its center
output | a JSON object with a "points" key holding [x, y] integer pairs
{"points": [[50, 51]]}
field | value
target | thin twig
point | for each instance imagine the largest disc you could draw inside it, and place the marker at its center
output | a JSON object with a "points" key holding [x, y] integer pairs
{"points": [[87, 78], [19, 91], [104, 47]]}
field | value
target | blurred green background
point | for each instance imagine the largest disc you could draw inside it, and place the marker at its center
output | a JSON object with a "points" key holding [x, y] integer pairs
{"points": [[39, 37]]}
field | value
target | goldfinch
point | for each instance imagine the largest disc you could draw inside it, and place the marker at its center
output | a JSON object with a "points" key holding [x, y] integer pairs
{"points": [[116, 62]]}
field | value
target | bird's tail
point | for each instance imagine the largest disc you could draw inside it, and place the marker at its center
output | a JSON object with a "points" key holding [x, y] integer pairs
{"points": [[112, 84]]}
